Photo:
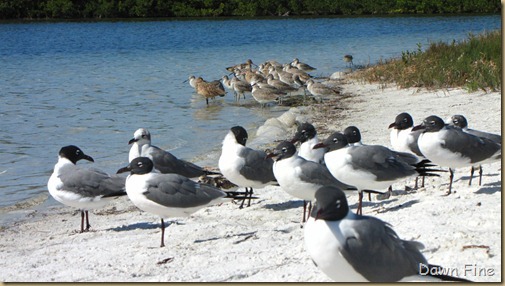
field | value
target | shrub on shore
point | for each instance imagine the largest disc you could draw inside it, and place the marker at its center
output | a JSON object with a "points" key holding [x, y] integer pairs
{"points": [[475, 63]]}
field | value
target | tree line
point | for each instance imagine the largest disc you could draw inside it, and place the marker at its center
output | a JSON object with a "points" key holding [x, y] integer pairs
{"points": [[96, 9]]}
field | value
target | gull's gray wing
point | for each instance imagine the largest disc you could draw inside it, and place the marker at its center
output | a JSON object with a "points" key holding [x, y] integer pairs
{"points": [[93, 183], [376, 252], [380, 161], [318, 174], [493, 137], [172, 190], [470, 146], [257, 166], [167, 163], [407, 157]]}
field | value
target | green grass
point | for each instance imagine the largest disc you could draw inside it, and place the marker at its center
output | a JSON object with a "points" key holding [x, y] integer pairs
{"points": [[475, 63]]}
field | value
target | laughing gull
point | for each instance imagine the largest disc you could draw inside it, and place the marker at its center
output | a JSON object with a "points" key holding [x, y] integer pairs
{"points": [[461, 122], [307, 135], [368, 167], [300, 177], [403, 139], [354, 248], [164, 162], [451, 147], [82, 188], [243, 166], [353, 136], [169, 195]]}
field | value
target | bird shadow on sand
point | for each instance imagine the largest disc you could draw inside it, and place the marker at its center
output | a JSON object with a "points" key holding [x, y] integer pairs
{"points": [[139, 225], [394, 208], [476, 177], [489, 188], [292, 204]]}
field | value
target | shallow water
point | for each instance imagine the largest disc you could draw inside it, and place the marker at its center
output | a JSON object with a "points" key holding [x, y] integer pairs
{"points": [[93, 84]]}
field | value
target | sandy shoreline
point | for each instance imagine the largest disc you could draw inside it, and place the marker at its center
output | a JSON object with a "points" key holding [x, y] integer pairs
{"points": [[265, 242]]}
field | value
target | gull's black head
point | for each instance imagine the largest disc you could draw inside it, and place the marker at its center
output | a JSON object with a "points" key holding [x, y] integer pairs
{"points": [[402, 121], [334, 142], [331, 204], [240, 134], [138, 166], [459, 121], [74, 154], [284, 150], [304, 132], [431, 123], [352, 134]]}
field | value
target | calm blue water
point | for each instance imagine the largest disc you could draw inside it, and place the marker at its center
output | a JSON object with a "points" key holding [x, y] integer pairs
{"points": [[94, 84]]}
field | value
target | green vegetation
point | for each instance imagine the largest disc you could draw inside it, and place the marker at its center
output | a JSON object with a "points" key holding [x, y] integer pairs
{"points": [[475, 63], [79, 9]]}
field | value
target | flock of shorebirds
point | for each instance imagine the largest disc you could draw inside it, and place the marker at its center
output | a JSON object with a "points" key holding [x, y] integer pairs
{"points": [[344, 245], [269, 82]]}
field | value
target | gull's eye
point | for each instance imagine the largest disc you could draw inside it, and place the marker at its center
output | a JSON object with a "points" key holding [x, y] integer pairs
{"points": [[335, 140], [140, 165], [284, 149], [77, 152], [338, 204], [303, 131], [404, 120]]}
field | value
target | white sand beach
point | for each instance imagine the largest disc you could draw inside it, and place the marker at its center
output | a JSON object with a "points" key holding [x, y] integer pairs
{"points": [[264, 242]]}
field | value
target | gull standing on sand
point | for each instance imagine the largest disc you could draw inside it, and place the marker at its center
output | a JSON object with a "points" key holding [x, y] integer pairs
{"points": [[299, 177], [164, 161], [82, 188], [353, 136], [461, 122], [451, 147], [367, 167], [403, 139], [243, 166], [169, 195], [307, 135], [354, 248]]}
